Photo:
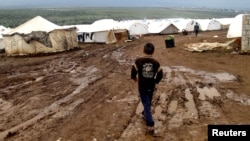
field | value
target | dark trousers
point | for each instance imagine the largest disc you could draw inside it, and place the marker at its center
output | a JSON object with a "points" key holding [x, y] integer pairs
{"points": [[146, 99], [196, 32]]}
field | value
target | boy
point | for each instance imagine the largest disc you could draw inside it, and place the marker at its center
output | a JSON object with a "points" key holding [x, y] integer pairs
{"points": [[149, 74]]}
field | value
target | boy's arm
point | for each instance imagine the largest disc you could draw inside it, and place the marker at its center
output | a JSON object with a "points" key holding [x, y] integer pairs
{"points": [[159, 76], [133, 73]]}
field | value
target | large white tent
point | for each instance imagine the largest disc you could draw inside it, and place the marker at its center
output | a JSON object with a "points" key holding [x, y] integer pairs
{"points": [[135, 27], [38, 23], [100, 31], [39, 35], [235, 28], [214, 24], [225, 22], [162, 27]]}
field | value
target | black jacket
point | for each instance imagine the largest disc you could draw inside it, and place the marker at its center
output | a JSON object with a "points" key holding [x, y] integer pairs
{"points": [[149, 72]]}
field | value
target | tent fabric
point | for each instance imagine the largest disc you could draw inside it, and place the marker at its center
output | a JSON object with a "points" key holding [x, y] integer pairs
{"points": [[36, 24], [99, 25], [61, 40], [170, 29], [209, 24], [135, 27], [214, 25], [190, 25], [111, 37], [105, 24], [138, 29], [39, 36], [225, 22], [235, 28], [107, 36], [100, 31], [3, 30], [180, 23], [162, 27]]}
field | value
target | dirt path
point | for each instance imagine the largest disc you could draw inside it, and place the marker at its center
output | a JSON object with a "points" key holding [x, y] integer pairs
{"points": [[87, 94]]}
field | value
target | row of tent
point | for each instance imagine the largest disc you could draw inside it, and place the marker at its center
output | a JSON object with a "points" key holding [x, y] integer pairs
{"points": [[144, 27], [39, 35]]}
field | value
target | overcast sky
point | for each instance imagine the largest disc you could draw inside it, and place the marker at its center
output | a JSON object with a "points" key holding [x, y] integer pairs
{"points": [[222, 4]]}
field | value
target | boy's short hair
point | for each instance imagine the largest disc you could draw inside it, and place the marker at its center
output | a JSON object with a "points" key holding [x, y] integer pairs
{"points": [[149, 48]]}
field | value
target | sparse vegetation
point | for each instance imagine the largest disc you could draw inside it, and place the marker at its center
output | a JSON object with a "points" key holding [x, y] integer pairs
{"points": [[71, 16]]}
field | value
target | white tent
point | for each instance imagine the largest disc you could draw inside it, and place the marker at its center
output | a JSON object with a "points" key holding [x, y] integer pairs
{"points": [[38, 23], [225, 22], [180, 23], [187, 24], [235, 28], [162, 27], [214, 25], [134, 27], [190, 25], [3, 30], [39, 35], [138, 29], [101, 31], [209, 24], [85, 33]]}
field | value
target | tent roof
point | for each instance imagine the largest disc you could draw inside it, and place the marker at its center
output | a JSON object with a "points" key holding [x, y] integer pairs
{"points": [[99, 25], [158, 26], [181, 23], [36, 24], [235, 28], [225, 21]]}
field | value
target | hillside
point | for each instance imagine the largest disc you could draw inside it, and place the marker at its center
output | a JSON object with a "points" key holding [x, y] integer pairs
{"points": [[75, 16]]}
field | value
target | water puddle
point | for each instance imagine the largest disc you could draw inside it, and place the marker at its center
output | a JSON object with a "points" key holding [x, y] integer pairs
{"points": [[190, 105], [180, 74]]}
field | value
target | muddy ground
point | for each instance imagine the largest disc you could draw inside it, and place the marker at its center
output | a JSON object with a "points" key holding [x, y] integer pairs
{"points": [[86, 94]]}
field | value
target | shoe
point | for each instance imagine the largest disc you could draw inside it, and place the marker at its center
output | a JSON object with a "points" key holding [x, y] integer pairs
{"points": [[151, 130]]}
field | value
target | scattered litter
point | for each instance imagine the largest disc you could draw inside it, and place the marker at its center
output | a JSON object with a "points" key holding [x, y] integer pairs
{"points": [[205, 46]]}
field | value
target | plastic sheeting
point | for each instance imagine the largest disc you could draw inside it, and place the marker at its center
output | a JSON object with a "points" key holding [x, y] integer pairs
{"points": [[61, 40]]}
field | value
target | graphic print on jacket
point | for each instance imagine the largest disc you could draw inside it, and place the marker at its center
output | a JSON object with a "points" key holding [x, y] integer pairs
{"points": [[147, 70]]}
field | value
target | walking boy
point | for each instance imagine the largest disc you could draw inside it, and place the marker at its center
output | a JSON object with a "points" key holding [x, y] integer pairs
{"points": [[149, 74]]}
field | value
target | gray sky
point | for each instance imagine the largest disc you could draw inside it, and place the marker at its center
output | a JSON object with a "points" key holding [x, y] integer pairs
{"points": [[222, 4]]}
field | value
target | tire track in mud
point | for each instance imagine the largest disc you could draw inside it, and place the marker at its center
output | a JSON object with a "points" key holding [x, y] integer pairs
{"points": [[56, 109], [65, 105], [184, 97]]}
